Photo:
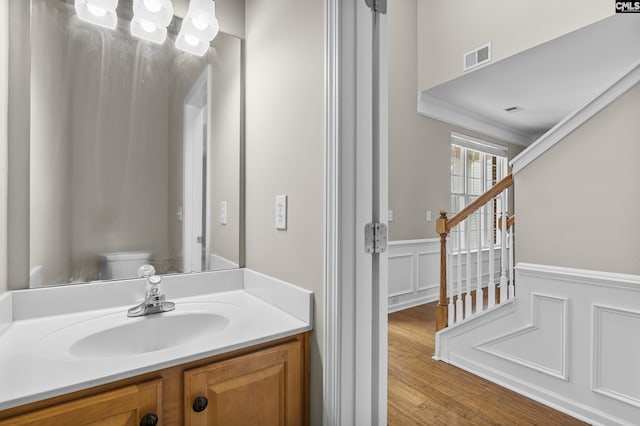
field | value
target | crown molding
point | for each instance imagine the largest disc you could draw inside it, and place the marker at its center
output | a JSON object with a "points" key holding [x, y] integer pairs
{"points": [[438, 109]]}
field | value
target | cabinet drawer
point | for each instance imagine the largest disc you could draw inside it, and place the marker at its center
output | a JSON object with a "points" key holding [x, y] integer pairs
{"points": [[121, 407]]}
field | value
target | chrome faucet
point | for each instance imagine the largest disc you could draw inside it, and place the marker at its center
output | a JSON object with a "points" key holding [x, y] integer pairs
{"points": [[154, 299]]}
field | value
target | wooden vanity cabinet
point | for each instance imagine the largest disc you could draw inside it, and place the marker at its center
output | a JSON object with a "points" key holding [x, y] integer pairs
{"points": [[128, 406], [262, 388], [267, 384]]}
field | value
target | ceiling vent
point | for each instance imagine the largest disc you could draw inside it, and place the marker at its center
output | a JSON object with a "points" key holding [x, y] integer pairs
{"points": [[514, 109], [477, 57]]}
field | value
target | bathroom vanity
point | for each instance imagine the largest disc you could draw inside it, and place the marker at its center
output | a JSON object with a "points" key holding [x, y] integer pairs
{"points": [[234, 351], [263, 383]]}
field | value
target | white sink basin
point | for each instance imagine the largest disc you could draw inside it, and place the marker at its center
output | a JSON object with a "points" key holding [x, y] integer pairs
{"points": [[116, 335], [148, 334]]}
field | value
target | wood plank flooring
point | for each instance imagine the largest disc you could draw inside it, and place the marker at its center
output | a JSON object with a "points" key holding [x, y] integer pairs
{"points": [[427, 392]]}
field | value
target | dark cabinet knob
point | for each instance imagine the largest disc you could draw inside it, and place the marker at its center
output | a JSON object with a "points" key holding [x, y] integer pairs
{"points": [[200, 403], [149, 420]]}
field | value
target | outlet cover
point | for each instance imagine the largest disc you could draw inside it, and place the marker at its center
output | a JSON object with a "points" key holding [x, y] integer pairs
{"points": [[281, 212]]}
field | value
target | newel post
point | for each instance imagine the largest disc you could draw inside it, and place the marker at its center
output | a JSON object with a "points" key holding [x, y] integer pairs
{"points": [[441, 310]]}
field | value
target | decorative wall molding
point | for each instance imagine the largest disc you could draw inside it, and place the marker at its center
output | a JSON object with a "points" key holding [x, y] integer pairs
{"points": [[593, 347], [412, 278], [414, 272], [581, 276], [615, 344], [514, 346], [558, 132]]}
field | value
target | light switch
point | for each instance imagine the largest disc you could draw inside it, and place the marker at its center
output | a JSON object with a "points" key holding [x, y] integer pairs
{"points": [[390, 216], [428, 215], [281, 212], [223, 212]]}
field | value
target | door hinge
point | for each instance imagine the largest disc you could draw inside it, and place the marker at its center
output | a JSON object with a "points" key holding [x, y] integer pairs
{"points": [[375, 238], [379, 6]]}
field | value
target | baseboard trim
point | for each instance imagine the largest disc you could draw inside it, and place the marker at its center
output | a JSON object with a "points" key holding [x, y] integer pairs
{"points": [[557, 402], [411, 303]]}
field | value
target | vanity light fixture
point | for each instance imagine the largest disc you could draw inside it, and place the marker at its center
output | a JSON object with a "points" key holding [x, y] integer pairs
{"points": [[199, 27], [150, 19], [99, 12]]}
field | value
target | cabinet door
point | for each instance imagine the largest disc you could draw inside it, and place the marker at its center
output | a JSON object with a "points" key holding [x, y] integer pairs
{"points": [[121, 407], [260, 389]]}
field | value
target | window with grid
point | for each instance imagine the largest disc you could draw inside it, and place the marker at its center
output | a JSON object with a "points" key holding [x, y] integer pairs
{"points": [[476, 166]]}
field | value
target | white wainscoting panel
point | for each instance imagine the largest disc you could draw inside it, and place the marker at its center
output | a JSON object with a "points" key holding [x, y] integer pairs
{"points": [[616, 342], [570, 339], [403, 268], [414, 272], [548, 329]]}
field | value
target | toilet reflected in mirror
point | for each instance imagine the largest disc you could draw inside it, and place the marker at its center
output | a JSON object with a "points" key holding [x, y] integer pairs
{"points": [[122, 265]]}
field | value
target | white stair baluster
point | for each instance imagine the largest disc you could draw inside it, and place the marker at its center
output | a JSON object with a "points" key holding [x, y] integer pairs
{"points": [[451, 314], [492, 259], [503, 249], [479, 292], [459, 298], [468, 302], [512, 289]]}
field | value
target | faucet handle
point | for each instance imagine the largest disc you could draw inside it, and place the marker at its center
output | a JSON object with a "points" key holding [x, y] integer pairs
{"points": [[145, 271]]}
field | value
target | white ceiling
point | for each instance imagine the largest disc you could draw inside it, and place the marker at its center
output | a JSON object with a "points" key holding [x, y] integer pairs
{"points": [[548, 81]]}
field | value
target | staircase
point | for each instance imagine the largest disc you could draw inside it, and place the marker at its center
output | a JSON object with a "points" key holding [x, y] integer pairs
{"points": [[567, 335], [490, 210]]}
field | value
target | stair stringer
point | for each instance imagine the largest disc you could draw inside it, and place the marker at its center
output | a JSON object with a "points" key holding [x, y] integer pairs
{"points": [[536, 345]]}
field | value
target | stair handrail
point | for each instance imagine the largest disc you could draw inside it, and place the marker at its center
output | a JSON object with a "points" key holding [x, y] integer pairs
{"points": [[444, 226], [479, 202]]}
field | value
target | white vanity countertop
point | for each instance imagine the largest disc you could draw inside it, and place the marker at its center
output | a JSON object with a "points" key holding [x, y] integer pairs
{"points": [[35, 362]]}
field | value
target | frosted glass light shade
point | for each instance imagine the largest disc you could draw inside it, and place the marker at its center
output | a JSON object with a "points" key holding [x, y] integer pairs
{"points": [[192, 44], [199, 27], [150, 19], [158, 12], [98, 12], [148, 30]]}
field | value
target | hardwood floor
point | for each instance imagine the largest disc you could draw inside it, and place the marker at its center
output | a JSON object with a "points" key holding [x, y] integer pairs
{"points": [[427, 392]]}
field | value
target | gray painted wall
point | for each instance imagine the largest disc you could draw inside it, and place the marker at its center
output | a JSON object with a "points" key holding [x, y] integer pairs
{"points": [[577, 205], [419, 147], [4, 104], [450, 28], [284, 151]]}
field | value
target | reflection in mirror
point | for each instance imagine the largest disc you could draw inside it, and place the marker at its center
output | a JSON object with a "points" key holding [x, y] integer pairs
{"points": [[134, 150]]}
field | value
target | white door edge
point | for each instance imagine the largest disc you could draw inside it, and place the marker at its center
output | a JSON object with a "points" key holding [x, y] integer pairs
{"points": [[197, 110], [355, 341]]}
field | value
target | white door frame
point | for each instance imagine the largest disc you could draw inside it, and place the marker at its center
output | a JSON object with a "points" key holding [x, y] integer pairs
{"points": [[197, 113], [355, 329]]}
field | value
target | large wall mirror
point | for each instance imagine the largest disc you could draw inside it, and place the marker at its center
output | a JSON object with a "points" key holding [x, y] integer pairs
{"points": [[135, 150]]}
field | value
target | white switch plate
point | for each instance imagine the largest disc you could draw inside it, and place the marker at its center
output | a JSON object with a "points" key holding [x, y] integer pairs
{"points": [[281, 212], [428, 215], [223, 212], [390, 216]]}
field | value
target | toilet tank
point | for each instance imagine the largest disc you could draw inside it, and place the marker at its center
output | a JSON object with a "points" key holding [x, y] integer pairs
{"points": [[122, 264]]}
